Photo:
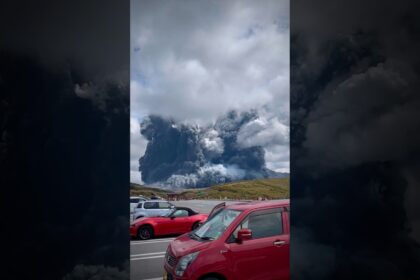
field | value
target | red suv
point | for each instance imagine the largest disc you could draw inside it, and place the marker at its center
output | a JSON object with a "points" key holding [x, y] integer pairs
{"points": [[237, 242]]}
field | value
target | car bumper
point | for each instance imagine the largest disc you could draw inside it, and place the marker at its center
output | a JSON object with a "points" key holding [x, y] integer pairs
{"points": [[133, 231], [169, 274]]}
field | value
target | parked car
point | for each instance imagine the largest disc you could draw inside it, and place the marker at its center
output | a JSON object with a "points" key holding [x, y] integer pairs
{"points": [[134, 200], [155, 197], [239, 241], [152, 208], [180, 220]]}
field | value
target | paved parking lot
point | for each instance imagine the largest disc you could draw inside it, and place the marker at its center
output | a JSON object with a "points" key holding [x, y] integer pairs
{"points": [[146, 257]]}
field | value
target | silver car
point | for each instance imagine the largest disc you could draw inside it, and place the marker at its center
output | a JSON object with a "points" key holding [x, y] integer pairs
{"points": [[134, 200], [152, 208]]}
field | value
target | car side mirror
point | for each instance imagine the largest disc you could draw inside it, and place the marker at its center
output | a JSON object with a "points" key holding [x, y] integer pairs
{"points": [[172, 217], [244, 234]]}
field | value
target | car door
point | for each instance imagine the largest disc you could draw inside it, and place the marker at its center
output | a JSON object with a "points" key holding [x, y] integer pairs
{"points": [[151, 208], [216, 210], [164, 208], [181, 221], [266, 255], [133, 203], [138, 211], [164, 226]]}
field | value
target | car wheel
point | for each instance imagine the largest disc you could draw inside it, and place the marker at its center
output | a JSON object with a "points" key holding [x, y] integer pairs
{"points": [[145, 232], [210, 278], [138, 217], [195, 225]]}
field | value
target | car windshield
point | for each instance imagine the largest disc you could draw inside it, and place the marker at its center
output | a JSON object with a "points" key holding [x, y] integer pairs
{"points": [[170, 212], [217, 225], [134, 200]]}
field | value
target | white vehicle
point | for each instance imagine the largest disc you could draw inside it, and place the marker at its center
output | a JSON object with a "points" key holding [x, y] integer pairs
{"points": [[151, 208], [134, 200]]}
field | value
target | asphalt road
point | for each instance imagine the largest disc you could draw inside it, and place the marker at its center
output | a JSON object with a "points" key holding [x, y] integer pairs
{"points": [[147, 257]]}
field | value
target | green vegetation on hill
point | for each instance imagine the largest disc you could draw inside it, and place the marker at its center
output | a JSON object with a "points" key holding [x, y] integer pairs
{"points": [[136, 189], [277, 188], [253, 189]]}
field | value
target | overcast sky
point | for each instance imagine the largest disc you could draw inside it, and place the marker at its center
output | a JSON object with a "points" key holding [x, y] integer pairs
{"points": [[196, 60]]}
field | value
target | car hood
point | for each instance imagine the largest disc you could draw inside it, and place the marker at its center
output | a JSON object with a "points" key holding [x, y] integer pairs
{"points": [[184, 245]]}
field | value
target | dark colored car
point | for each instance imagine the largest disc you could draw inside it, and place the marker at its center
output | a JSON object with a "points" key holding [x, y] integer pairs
{"points": [[180, 220], [240, 241]]}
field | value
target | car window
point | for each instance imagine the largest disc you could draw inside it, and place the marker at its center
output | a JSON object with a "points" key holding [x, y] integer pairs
{"points": [[214, 227], [151, 205], [180, 213], [164, 205], [140, 205], [262, 224], [134, 200]]}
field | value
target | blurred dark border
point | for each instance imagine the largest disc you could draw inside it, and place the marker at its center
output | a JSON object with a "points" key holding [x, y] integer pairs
{"points": [[64, 139], [355, 143]]}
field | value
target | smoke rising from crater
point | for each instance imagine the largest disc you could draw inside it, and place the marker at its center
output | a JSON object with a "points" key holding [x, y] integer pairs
{"points": [[187, 155], [195, 63]]}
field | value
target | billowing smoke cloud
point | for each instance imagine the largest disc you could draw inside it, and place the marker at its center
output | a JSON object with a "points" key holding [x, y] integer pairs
{"points": [[354, 131], [186, 155]]}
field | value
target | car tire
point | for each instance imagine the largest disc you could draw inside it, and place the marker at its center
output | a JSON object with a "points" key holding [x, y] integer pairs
{"points": [[195, 225], [138, 217], [145, 232], [210, 278]]}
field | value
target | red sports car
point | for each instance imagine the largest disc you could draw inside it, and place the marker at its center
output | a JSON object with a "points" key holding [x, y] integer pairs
{"points": [[179, 221]]}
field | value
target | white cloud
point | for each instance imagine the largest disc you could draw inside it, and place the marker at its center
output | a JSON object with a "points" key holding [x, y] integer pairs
{"points": [[194, 62], [196, 65], [212, 142], [273, 135], [219, 171], [230, 171], [277, 158], [137, 147], [263, 132]]}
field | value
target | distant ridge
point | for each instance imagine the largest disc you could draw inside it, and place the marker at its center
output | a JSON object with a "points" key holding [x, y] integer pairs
{"points": [[274, 174], [273, 188]]}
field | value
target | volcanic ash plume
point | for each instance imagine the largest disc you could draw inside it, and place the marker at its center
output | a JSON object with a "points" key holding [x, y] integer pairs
{"points": [[185, 155]]}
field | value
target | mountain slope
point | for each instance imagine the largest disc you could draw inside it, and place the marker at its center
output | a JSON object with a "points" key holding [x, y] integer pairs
{"points": [[275, 188]]}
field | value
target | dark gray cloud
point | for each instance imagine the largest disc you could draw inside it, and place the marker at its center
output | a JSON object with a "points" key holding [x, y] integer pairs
{"points": [[195, 61], [358, 119], [354, 139], [90, 37], [184, 155], [64, 139], [55, 141]]}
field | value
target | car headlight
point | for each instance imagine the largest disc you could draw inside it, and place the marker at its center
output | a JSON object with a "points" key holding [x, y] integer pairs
{"points": [[184, 262]]}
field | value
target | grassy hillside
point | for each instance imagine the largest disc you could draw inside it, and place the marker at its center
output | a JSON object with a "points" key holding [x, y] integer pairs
{"points": [[252, 189], [136, 189], [277, 188]]}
